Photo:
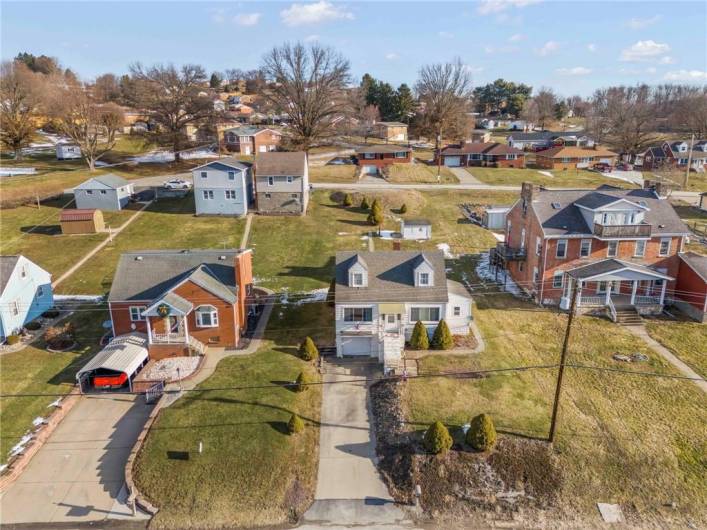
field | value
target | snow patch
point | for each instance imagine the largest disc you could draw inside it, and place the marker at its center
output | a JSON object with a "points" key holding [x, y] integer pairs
{"points": [[38, 421], [483, 270], [56, 403], [444, 247], [161, 157], [387, 234], [547, 174], [318, 295], [19, 448], [499, 237]]}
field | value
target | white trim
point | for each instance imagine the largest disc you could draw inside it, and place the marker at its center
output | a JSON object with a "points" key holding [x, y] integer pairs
{"points": [[212, 313], [656, 274]]}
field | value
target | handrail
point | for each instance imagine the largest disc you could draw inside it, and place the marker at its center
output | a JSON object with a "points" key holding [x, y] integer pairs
{"points": [[612, 310]]}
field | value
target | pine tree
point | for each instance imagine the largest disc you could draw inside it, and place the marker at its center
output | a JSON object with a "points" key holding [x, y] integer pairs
{"points": [[308, 350], [364, 204], [442, 338], [481, 434], [348, 201], [375, 217], [419, 339], [437, 438], [404, 103], [303, 379], [376, 205], [295, 425], [404, 208], [215, 81]]}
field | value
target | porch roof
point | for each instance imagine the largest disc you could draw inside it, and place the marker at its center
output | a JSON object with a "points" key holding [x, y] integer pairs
{"points": [[173, 300], [615, 269], [125, 353]]}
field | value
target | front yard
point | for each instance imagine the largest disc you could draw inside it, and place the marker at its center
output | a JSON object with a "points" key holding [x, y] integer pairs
{"points": [[687, 340], [420, 173], [344, 173], [559, 179]]}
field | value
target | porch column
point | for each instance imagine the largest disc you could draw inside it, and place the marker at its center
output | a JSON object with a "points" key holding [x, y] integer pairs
{"points": [[608, 293], [662, 291], [149, 331], [186, 329], [633, 292], [579, 293]]}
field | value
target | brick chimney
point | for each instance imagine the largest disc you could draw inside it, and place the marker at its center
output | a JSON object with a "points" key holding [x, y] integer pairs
{"points": [[243, 265], [661, 189], [528, 190], [396, 244]]}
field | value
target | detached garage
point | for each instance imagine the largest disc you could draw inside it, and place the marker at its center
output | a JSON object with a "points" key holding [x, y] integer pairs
{"points": [[116, 364], [356, 345]]}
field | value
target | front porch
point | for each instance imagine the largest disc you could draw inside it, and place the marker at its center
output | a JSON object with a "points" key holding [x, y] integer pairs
{"points": [[167, 324]]}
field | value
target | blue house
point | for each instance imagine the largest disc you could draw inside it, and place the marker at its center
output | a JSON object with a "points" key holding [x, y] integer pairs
{"points": [[25, 293]]}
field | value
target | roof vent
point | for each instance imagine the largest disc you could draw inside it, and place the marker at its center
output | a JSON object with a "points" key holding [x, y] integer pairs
{"points": [[138, 258], [661, 226], [222, 258], [555, 205]]}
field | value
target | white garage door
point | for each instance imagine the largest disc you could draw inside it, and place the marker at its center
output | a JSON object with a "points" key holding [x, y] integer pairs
{"points": [[356, 346], [452, 161], [370, 170]]}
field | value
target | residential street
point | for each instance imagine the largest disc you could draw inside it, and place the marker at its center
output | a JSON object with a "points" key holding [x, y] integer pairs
{"points": [[78, 475]]}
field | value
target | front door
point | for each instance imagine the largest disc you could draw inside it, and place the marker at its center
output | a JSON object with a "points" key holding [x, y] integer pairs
{"points": [[391, 322], [173, 324]]}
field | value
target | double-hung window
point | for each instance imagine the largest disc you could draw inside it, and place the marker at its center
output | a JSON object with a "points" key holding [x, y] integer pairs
{"points": [[424, 278], [136, 313], [457, 311], [424, 314], [358, 314], [400, 154], [204, 174], [231, 175], [271, 181], [561, 251], [585, 248], [664, 249], [640, 250], [289, 179], [15, 308], [208, 194], [357, 279], [538, 246], [612, 249], [206, 316], [558, 279], [231, 195]]}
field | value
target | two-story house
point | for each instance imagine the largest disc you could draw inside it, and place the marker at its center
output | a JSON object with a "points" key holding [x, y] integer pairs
{"points": [[379, 296], [489, 154], [182, 300], [25, 293], [223, 187], [282, 183], [249, 140], [619, 246], [678, 154]]}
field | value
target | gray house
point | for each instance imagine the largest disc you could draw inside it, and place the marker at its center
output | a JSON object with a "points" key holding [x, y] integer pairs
{"points": [[223, 187], [106, 192], [281, 183]]}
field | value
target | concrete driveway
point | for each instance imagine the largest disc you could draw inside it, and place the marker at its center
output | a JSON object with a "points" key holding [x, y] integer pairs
{"points": [[78, 475]]}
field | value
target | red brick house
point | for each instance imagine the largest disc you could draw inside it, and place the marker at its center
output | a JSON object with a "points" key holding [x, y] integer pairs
{"points": [[678, 154], [620, 246], [487, 154], [691, 286], [373, 158], [562, 157], [249, 140], [182, 300]]}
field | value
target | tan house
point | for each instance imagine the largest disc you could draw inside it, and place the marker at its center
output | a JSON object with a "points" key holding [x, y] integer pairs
{"points": [[392, 131], [561, 157], [281, 183], [85, 221]]}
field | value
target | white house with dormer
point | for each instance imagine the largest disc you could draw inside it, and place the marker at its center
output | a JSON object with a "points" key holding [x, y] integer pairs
{"points": [[381, 295], [223, 187]]}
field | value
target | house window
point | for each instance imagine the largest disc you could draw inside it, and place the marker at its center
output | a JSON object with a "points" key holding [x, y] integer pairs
{"points": [[136, 313], [585, 248], [476, 157], [268, 195], [271, 181], [289, 179], [295, 196], [520, 266], [208, 194], [601, 287], [457, 311], [612, 249], [204, 174], [231, 194], [89, 192], [424, 278], [23, 273], [664, 247], [536, 275], [358, 314], [357, 279], [401, 154], [640, 249], [206, 316], [424, 314], [561, 251], [369, 156], [15, 308], [231, 175], [538, 246], [103, 192], [558, 279], [231, 138], [40, 291], [511, 157], [565, 160]]}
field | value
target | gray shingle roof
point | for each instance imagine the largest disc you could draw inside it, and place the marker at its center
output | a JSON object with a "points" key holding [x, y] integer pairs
{"points": [[280, 163], [611, 265], [568, 220], [457, 288], [391, 277], [148, 274], [7, 265], [103, 181], [228, 161], [697, 262]]}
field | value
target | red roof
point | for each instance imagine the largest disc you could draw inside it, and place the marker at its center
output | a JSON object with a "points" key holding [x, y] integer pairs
{"points": [[77, 215]]}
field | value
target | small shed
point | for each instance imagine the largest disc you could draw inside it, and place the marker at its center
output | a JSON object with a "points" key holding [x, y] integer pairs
{"points": [[116, 364], [84, 221], [67, 151], [494, 218], [416, 229]]}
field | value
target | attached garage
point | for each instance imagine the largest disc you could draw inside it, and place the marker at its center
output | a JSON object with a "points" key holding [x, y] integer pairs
{"points": [[369, 169], [356, 346], [452, 161], [116, 364]]}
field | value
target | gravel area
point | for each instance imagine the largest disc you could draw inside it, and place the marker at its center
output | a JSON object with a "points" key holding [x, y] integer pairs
{"points": [[166, 369]]}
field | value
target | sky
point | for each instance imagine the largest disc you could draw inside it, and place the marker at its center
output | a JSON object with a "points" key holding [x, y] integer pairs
{"points": [[572, 46]]}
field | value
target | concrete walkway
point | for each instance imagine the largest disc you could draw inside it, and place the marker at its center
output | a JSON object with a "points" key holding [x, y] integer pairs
{"points": [[101, 245], [465, 176], [246, 231], [642, 333]]}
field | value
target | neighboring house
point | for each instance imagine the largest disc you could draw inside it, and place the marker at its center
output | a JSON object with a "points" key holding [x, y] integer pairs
{"points": [[25, 293], [75, 221], [573, 157], [223, 187], [281, 183], [381, 295], [392, 131], [67, 151], [105, 192], [622, 245], [416, 229], [480, 136], [652, 158], [531, 141], [691, 286], [249, 140], [520, 125], [491, 154], [373, 158], [678, 154], [183, 300]]}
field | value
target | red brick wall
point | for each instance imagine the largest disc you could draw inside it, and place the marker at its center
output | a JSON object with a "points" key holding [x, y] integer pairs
{"points": [[268, 139], [690, 286], [120, 315], [383, 160], [244, 280]]}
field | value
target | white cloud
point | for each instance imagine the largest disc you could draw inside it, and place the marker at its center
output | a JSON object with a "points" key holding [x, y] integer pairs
{"points": [[644, 50], [651, 70], [575, 71], [247, 19], [314, 13], [392, 56], [592, 47], [473, 69], [218, 15], [311, 38], [666, 60], [640, 23], [487, 7], [686, 75], [548, 48], [446, 34], [515, 38]]}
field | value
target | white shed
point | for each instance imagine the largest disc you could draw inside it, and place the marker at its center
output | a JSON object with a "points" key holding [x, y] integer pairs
{"points": [[67, 151], [494, 218], [416, 229]]}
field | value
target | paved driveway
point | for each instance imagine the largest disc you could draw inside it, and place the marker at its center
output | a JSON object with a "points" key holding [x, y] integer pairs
{"points": [[78, 474]]}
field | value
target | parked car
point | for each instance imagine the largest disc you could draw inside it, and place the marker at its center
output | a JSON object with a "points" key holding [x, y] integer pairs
{"points": [[623, 166], [601, 167], [177, 184], [110, 381]]}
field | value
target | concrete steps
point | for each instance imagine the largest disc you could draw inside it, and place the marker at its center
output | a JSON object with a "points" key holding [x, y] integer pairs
{"points": [[628, 317]]}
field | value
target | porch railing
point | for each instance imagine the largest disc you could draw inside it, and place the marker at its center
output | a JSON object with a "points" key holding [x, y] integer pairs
{"points": [[635, 230], [647, 300], [168, 338], [612, 311], [592, 300]]}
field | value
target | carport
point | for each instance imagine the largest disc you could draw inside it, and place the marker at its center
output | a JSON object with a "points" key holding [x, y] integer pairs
{"points": [[123, 356]]}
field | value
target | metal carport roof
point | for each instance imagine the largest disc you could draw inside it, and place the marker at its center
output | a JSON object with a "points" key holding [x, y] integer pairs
{"points": [[125, 353]]}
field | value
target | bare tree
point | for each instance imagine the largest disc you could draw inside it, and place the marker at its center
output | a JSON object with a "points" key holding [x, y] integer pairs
{"points": [[18, 105], [369, 116], [545, 102], [106, 88], [308, 84], [173, 98]]}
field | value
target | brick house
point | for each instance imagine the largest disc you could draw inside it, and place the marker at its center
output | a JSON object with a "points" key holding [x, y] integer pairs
{"points": [[487, 154], [248, 140], [373, 158], [678, 153], [621, 247], [561, 157], [182, 300], [691, 286], [652, 158]]}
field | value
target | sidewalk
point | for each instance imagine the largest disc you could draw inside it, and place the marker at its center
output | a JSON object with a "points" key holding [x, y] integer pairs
{"points": [[465, 176]]}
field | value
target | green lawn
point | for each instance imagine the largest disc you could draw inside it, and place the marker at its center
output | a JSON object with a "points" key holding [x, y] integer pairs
{"points": [[635, 440], [687, 340], [342, 173], [696, 220], [695, 182], [35, 232], [251, 472], [33, 370], [421, 173], [166, 224], [560, 179]]}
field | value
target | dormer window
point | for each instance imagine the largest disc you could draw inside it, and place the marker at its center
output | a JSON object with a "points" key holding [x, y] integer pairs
{"points": [[424, 278], [357, 279]]}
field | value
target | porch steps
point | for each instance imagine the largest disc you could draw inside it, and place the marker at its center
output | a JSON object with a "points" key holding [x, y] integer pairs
{"points": [[628, 317], [196, 346]]}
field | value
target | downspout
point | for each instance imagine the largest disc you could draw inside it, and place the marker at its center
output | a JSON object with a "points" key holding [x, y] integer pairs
{"points": [[542, 275]]}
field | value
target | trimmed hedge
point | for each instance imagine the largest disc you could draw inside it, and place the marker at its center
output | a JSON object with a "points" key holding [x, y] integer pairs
{"points": [[13, 339], [308, 350], [303, 379], [437, 438], [295, 425], [33, 325], [442, 338], [348, 201], [481, 434], [51, 313], [419, 339]]}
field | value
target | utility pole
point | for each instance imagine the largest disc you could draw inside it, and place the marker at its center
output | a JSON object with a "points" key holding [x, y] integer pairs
{"points": [[560, 373], [439, 156], [689, 161]]}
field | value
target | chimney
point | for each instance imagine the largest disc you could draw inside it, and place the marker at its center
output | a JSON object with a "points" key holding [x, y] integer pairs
{"points": [[527, 190], [396, 244], [661, 189], [243, 266]]}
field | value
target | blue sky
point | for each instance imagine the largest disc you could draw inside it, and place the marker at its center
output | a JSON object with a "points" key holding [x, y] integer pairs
{"points": [[572, 46]]}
